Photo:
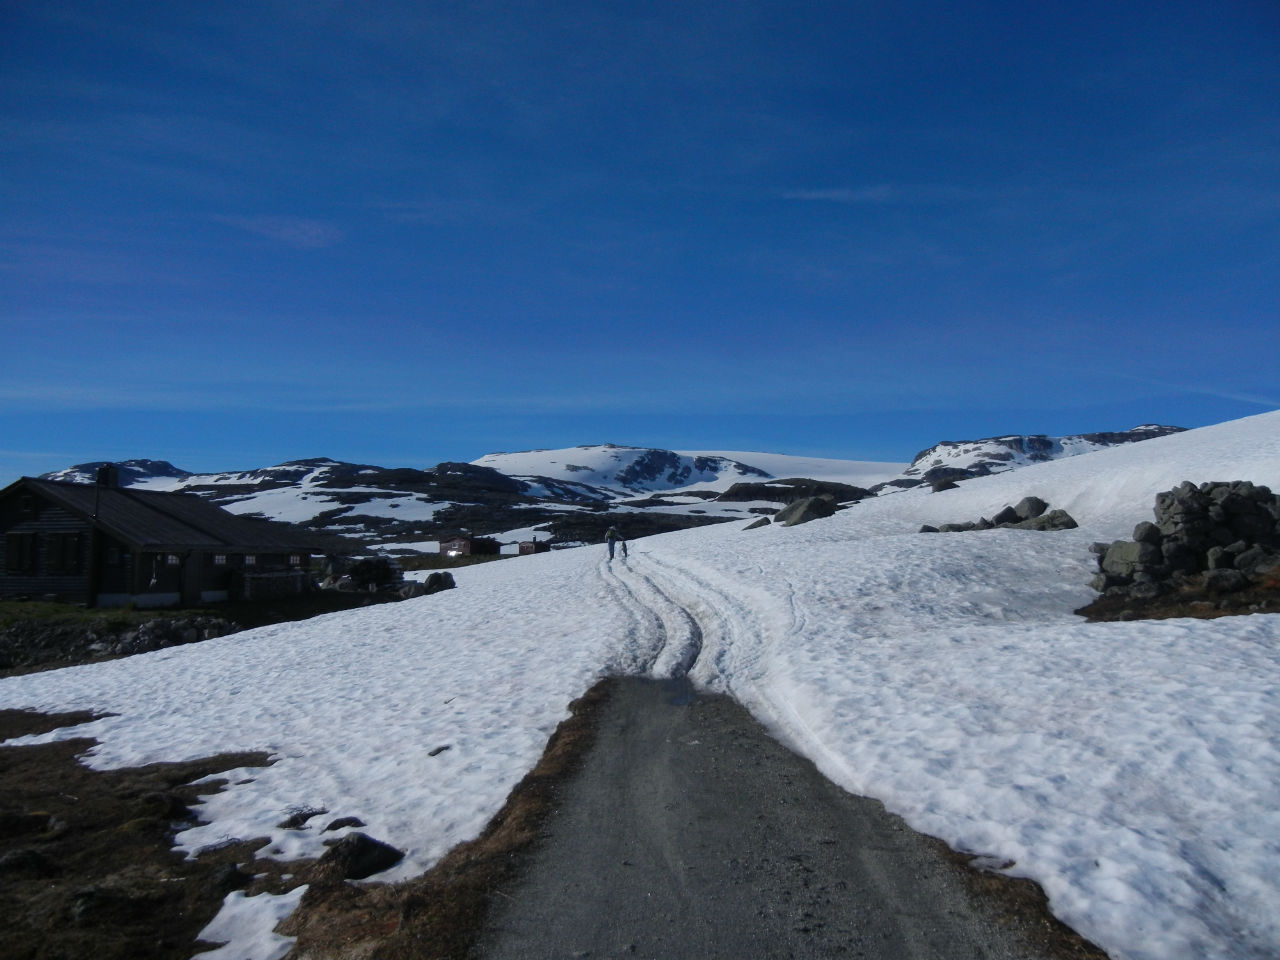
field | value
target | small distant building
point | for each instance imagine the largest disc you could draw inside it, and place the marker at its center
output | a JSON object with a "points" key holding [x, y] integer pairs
{"points": [[465, 546], [534, 546], [106, 546]]}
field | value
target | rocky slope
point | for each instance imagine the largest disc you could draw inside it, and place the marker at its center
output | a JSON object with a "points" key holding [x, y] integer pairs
{"points": [[956, 460]]}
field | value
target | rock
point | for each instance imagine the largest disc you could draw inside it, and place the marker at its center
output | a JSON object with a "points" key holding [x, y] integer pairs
{"points": [[1218, 558], [411, 591], [802, 511], [297, 820], [928, 529], [1147, 532], [1028, 508], [1007, 515], [1225, 580], [343, 822], [1124, 557], [440, 580], [757, 524], [1053, 520], [1213, 538], [1255, 559], [357, 856]]}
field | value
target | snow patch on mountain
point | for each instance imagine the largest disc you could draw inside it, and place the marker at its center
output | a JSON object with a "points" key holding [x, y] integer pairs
{"points": [[629, 470], [960, 459]]}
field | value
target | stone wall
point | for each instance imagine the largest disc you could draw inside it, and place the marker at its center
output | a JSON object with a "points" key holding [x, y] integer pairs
{"points": [[31, 643], [1218, 537]]}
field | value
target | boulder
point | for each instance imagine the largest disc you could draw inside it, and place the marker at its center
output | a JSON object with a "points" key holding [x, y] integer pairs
{"points": [[358, 855], [1053, 520], [802, 511], [1147, 532], [439, 580], [1028, 508], [1124, 557], [1008, 515]]}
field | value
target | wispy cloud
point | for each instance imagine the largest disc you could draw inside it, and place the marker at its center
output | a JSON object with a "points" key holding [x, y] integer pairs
{"points": [[299, 232], [879, 193]]}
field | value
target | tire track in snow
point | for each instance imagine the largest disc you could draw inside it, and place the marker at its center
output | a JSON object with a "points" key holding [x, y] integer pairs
{"points": [[736, 631], [681, 632], [647, 635]]}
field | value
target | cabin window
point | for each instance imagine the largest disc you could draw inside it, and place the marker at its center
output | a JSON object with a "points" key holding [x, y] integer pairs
{"points": [[173, 560], [62, 553], [295, 560], [20, 552], [219, 559], [250, 560]]}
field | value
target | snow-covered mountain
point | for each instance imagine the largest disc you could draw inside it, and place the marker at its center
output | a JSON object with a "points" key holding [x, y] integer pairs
{"points": [[632, 470], [961, 459], [1131, 768], [569, 495], [623, 471], [565, 496]]}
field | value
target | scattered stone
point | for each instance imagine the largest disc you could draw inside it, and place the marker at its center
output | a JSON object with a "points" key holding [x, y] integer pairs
{"points": [[343, 822], [298, 819], [358, 855], [757, 524], [1029, 514]]}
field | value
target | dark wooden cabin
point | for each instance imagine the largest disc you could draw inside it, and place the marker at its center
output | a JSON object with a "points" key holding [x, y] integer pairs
{"points": [[105, 546], [535, 545], [464, 546]]}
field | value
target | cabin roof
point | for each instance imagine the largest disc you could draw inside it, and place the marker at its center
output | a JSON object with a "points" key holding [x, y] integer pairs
{"points": [[151, 520]]}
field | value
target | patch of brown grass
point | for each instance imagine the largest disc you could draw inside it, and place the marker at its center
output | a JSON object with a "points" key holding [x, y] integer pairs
{"points": [[87, 867], [438, 916]]}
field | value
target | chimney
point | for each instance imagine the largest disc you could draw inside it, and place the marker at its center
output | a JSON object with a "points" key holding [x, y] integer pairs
{"points": [[108, 476]]}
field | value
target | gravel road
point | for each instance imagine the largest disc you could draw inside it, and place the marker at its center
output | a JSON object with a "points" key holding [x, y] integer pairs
{"points": [[691, 833]]}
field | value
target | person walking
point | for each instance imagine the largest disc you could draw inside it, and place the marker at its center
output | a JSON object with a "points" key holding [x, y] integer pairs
{"points": [[612, 537]]}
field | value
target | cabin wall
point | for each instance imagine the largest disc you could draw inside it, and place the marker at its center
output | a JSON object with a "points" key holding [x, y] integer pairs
{"points": [[44, 550]]}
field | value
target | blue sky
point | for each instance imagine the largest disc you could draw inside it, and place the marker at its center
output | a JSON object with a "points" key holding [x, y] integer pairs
{"points": [[233, 234]]}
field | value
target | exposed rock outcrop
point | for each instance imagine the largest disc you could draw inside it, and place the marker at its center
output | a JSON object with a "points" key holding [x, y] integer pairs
{"points": [[953, 460], [802, 511], [30, 642], [1030, 513], [791, 490], [1212, 539]]}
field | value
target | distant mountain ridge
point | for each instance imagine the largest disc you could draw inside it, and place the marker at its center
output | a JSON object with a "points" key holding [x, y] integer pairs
{"points": [[568, 495], [961, 459]]}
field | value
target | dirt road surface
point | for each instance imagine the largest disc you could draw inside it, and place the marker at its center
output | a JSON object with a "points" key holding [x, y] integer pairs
{"points": [[691, 834]]}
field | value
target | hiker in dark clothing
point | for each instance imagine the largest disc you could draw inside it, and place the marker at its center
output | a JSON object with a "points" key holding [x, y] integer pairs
{"points": [[612, 537]]}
